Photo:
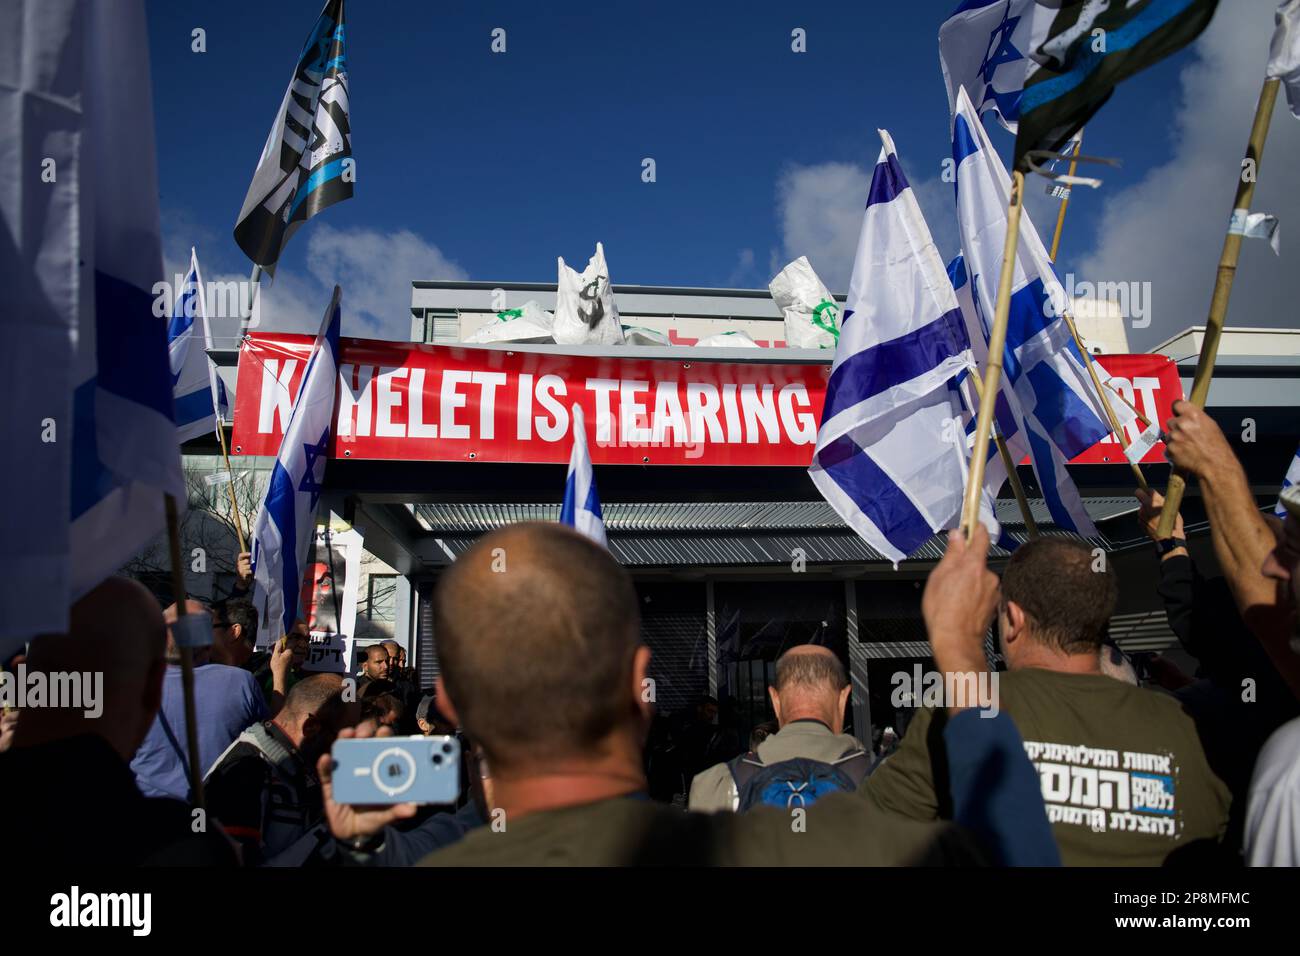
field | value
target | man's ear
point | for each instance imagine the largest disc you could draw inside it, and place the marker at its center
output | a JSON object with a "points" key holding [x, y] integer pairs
{"points": [[238, 631], [311, 726], [776, 702], [1015, 616], [445, 705], [844, 699]]}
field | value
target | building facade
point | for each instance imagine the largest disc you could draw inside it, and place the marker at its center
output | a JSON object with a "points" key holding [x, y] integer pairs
{"points": [[734, 564]]}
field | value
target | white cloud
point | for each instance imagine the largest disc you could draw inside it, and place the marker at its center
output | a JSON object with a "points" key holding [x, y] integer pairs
{"points": [[821, 211], [1168, 228], [744, 273], [821, 215], [374, 269]]}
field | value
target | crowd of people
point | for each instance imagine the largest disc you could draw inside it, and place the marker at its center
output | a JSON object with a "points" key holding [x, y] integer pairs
{"points": [[544, 677]]}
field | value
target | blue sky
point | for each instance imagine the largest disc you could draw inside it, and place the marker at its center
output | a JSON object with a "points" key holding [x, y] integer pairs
{"points": [[488, 165]]}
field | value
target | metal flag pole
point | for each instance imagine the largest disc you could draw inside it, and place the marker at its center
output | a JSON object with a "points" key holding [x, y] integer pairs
{"points": [[1111, 417], [1223, 286], [255, 285], [993, 371], [186, 653]]}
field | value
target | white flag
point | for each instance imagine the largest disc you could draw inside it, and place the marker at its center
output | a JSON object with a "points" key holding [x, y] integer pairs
{"points": [[891, 450], [581, 507], [89, 438], [286, 521], [1284, 53], [192, 370]]}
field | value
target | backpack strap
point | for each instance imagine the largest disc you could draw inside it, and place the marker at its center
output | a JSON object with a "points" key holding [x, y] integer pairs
{"points": [[857, 766], [743, 769], [180, 753]]}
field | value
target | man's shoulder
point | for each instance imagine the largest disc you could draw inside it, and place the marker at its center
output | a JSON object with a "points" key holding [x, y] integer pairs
{"points": [[226, 675], [622, 831], [812, 740], [842, 830], [1106, 694], [712, 790], [240, 760]]}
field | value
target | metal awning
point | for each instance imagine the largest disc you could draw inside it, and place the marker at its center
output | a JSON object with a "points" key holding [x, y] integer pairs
{"points": [[699, 534], [706, 516]]}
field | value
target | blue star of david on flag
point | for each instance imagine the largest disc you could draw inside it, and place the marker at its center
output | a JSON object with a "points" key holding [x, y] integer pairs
{"points": [[310, 483], [282, 533], [982, 47], [1000, 48]]}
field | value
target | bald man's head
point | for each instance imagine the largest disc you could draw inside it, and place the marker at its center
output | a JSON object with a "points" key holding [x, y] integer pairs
{"points": [[537, 635], [314, 712], [117, 629], [810, 684]]}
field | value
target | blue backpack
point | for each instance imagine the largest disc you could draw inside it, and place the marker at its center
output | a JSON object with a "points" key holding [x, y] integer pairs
{"points": [[799, 782]]}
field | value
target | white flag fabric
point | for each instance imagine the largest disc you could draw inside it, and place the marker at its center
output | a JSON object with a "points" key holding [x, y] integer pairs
{"points": [[286, 521], [84, 352], [1284, 53], [581, 507], [1051, 402], [891, 452], [985, 46], [585, 312], [193, 394], [1292, 478]]}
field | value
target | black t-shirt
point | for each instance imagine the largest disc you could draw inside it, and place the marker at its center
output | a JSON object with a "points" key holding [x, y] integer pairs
{"points": [[74, 802]]}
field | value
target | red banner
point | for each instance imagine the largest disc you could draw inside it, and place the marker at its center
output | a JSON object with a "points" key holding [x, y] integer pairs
{"points": [[453, 403]]}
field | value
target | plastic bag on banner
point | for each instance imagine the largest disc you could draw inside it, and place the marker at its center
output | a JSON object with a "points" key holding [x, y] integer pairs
{"points": [[585, 313], [728, 340], [528, 323], [639, 335], [812, 316]]}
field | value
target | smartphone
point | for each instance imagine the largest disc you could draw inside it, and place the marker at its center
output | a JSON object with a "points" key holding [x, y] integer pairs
{"points": [[384, 770]]}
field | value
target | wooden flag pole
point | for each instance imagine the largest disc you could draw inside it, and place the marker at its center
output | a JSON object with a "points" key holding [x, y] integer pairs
{"points": [[1060, 213], [234, 506], [1115, 426], [186, 653], [1013, 476], [1222, 287], [1111, 417], [993, 372]]}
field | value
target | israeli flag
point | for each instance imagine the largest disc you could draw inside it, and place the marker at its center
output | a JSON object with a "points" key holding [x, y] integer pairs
{"points": [[984, 46], [1049, 394], [89, 440], [1292, 478], [282, 533], [192, 371], [1004, 419], [891, 451], [581, 508]]}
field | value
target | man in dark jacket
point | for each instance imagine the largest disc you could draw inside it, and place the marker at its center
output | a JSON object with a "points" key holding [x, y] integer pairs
{"points": [[116, 630]]}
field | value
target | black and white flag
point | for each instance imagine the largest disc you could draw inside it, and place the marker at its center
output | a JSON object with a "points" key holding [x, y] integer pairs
{"points": [[306, 164]]}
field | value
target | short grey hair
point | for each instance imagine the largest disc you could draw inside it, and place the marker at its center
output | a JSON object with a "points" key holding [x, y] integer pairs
{"points": [[815, 671]]}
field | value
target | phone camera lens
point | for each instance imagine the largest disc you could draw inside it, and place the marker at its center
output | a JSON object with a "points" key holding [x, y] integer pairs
{"points": [[446, 748], [437, 758]]}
